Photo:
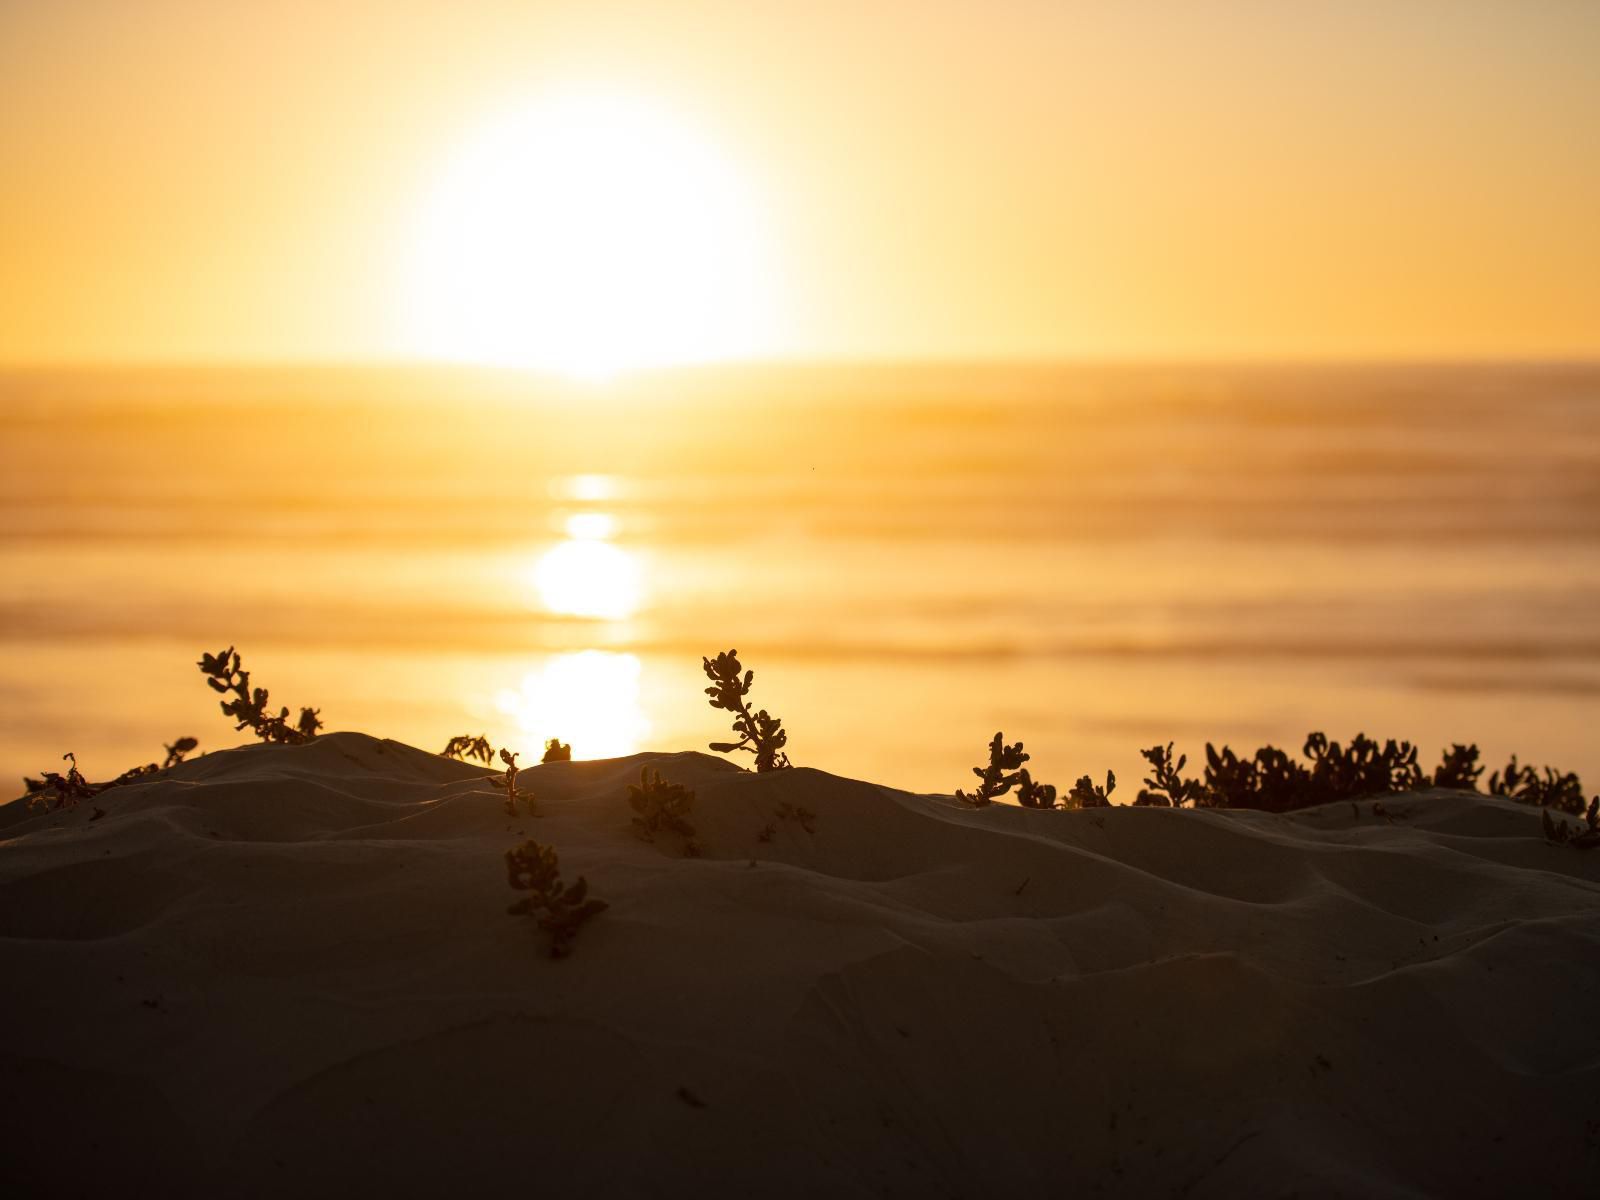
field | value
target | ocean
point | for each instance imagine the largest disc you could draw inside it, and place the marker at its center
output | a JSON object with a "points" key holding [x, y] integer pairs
{"points": [[1092, 559]]}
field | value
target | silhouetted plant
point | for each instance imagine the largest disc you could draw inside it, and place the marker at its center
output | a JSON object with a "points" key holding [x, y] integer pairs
{"points": [[1580, 837], [1508, 781], [464, 746], [249, 706], [555, 750], [1086, 794], [767, 832], [1000, 775], [508, 782], [559, 910], [662, 807], [1364, 769], [60, 791], [1032, 794], [759, 732], [1164, 786], [1270, 780], [1458, 769], [175, 755], [1560, 790], [1279, 780]]}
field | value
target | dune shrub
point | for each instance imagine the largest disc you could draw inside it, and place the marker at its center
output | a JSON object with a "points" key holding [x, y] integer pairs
{"points": [[1087, 794], [559, 910], [760, 733], [555, 750], [1459, 769], [175, 755], [1032, 794], [1000, 775], [507, 781], [662, 808], [55, 790], [1579, 837], [1560, 790], [464, 746], [1165, 787], [1362, 769], [224, 674]]}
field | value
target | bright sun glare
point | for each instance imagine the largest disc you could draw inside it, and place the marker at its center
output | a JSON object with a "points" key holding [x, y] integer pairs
{"points": [[588, 233], [590, 698], [585, 575]]}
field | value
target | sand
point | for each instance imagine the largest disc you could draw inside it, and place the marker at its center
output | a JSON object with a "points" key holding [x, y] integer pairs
{"points": [[289, 971]]}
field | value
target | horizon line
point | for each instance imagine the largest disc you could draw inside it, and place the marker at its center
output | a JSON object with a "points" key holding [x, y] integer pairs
{"points": [[813, 362]]}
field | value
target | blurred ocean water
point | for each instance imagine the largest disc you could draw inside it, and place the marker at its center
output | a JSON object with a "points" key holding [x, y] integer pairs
{"points": [[1091, 558]]}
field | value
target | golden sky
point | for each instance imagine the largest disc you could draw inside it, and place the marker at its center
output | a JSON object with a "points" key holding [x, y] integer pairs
{"points": [[189, 179]]}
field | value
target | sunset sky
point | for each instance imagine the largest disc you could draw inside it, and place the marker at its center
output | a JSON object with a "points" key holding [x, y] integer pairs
{"points": [[601, 184]]}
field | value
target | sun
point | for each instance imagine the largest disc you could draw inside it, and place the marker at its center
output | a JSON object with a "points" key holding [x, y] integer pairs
{"points": [[589, 232]]}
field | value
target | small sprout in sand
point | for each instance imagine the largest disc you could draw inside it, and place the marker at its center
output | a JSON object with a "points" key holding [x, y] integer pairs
{"points": [[663, 808], [1032, 794], [463, 747], [555, 750], [508, 781], [249, 706], [1459, 769], [802, 817], [759, 732], [1165, 787], [60, 791], [175, 754], [177, 750], [997, 778], [560, 910], [1087, 794], [1579, 837]]}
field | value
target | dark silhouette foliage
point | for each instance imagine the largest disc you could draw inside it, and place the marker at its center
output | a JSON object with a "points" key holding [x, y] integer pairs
{"points": [[1032, 794], [1001, 774], [1274, 781], [175, 755], [1458, 769], [1560, 790], [1087, 794], [249, 706], [55, 790], [1579, 837], [662, 807], [759, 732], [1269, 780], [1362, 769], [559, 910], [508, 782], [464, 746], [1165, 787], [69, 787], [555, 750]]}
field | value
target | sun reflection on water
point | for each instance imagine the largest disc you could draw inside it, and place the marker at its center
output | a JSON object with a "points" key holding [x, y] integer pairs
{"points": [[586, 575], [589, 699]]}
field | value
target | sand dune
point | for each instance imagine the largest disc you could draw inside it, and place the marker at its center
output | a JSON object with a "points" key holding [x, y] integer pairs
{"points": [[288, 970]]}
